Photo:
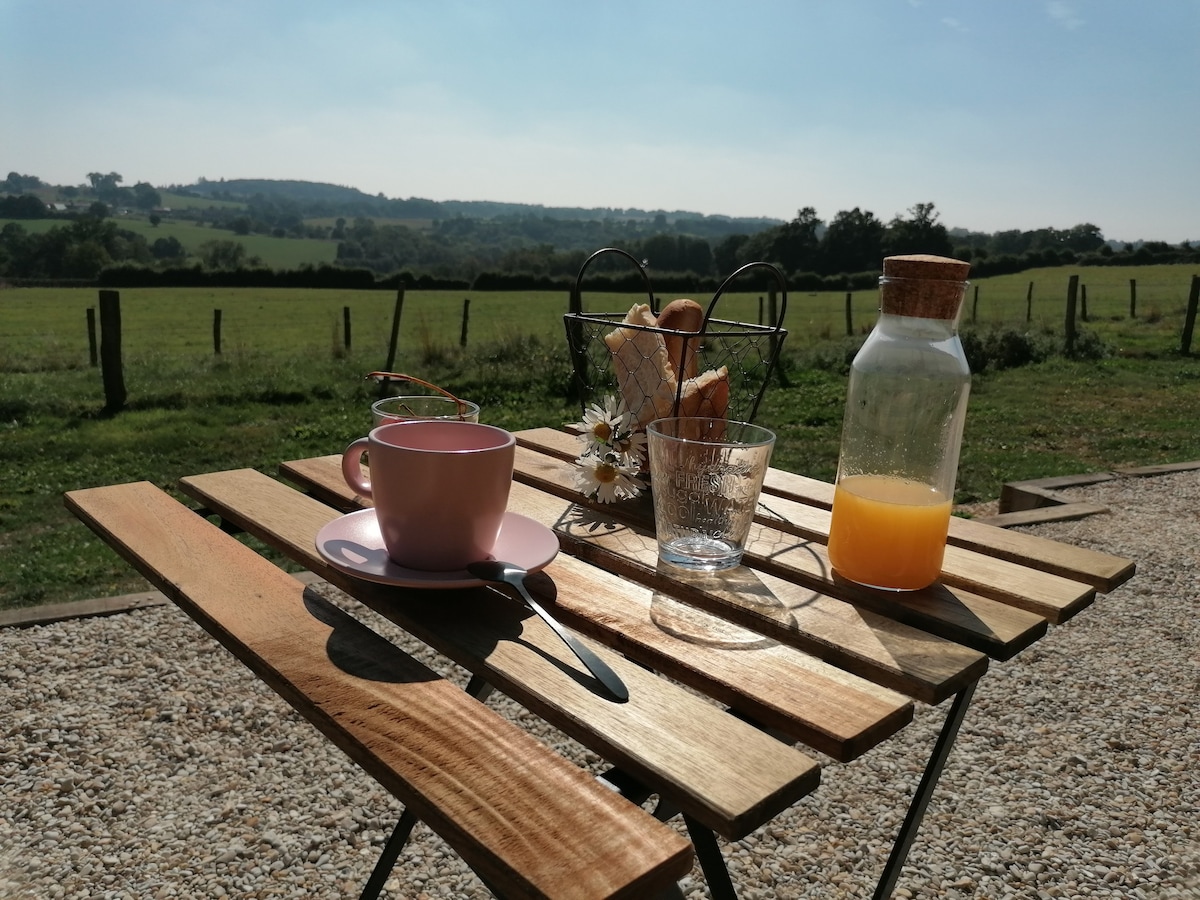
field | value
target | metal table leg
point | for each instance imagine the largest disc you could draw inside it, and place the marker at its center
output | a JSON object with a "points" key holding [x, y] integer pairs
{"points": [[478, 688], [708, 853], [916, 809], [387, 859]]}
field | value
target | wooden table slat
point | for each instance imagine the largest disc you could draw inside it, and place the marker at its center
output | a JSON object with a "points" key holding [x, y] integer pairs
{"points": [[729, 775], [873, 646], [990, 626], [1102, 571], [524, 818]]}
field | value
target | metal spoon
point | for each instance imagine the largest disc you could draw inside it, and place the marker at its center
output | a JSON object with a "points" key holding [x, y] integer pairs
{"points": [[509, 573]]}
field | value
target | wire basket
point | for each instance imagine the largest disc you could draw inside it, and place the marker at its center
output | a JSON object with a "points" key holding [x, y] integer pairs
{"points": [[608, 354]]}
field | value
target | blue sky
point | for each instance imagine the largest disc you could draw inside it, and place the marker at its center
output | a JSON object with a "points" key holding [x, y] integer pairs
{"points": [[1003, 113]]}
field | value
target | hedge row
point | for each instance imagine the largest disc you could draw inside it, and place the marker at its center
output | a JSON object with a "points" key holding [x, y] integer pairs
{"points": [[323, 276], [327, 276]]}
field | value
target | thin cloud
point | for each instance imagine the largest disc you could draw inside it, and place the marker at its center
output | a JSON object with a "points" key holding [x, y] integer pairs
{"points": [[954, 24], [1063, 14]]}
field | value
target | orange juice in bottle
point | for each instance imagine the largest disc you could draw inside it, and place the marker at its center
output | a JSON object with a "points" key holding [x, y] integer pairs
{"points": [[906, 404], [888, 532]]}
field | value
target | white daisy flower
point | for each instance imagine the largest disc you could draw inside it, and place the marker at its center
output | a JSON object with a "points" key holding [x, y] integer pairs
{"points": [[602, 424], [606, 478], [632, 448]]}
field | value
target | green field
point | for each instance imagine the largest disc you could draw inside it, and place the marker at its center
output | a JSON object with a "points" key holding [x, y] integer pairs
{"points": [[331, 221], [276, 253], [182, 201], [46, 327], [285, 386]]}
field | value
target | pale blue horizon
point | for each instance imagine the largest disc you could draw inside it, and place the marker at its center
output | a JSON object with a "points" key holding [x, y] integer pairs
{"points": [[1016, 115]]}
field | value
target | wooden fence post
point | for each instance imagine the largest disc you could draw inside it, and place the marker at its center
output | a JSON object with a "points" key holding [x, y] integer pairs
{"points": [[760, 309], [1133, 298], [975, 305], [1083, 302], [394, 340], [216, 332], [462, 337], [91, 326], [110, 351], [1029, 303], [581, 382], [773, 321], [1189, 322], [346, 327], [849, 316], [1072, 291]]}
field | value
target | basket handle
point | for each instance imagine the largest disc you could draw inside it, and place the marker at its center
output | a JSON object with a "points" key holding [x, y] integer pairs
{"points": [[576, 303], [779, 280]]}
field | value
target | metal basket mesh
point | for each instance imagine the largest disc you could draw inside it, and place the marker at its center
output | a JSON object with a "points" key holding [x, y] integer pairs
{"points": [[748, 352]]}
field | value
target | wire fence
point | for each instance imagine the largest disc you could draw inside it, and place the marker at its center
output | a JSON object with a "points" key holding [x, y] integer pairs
{"points": [[44, 329]]}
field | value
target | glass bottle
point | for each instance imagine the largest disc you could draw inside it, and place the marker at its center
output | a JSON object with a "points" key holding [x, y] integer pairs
{"points": [[906, 404]]}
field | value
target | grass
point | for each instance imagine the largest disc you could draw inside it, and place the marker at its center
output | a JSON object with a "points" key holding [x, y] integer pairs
{"points": [[186, 201], [275, 252], [286, 387]]}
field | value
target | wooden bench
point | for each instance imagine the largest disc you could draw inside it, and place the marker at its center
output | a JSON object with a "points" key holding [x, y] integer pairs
{"points": [[527, 821]]}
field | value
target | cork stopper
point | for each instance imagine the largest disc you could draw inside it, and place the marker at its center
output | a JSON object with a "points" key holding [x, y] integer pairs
{"points": [[923, 286]]}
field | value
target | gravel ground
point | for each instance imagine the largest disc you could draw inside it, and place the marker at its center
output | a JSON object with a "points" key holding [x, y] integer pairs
{"points": [[139, 760]]}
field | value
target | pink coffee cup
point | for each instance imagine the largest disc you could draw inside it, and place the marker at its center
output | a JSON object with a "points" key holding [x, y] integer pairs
{"points": [[440, 489]]}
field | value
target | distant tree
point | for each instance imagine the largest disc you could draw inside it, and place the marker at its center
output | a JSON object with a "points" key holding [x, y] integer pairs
{"points": [[695, 255], [85, 259], [241, 225], [852, 243], [16, 257], [98, 209], [661, 251], [26, 206], [222, 254], [922, 233], [759, 247], [796, 246], [168, 248], [1011, 242], [78, 250], [155, 219], [1084, 238], [145, 196], [725, 254], [19, 184], [106, 187]]}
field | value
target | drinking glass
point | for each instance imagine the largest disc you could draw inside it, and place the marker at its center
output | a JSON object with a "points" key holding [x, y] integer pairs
{"points": [[423, 406], [705, 475]]}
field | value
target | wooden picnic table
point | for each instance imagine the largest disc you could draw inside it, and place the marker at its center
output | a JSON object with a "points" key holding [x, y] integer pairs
{"points": [[732, 676]]}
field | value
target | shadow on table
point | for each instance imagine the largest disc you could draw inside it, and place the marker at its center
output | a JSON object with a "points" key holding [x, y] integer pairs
{"points": [[356, 649]]}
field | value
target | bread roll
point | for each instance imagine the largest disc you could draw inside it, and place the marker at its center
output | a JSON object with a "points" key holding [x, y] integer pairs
{"points": [[644, 375], [682, 315], [707, 395]]}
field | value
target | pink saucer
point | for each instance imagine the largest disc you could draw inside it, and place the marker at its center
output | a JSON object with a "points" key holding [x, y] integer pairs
{"points": [[354, 545]]}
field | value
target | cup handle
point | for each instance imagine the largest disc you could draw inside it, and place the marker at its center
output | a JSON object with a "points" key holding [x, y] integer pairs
{"points": [[352, 467]]}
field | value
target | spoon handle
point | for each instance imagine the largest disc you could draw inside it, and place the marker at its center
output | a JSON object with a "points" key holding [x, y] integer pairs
{"points": [[595, 664]]}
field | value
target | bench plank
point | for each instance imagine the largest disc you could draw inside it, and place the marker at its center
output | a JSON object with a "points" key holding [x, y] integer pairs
{"points": [[525, 819]]}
